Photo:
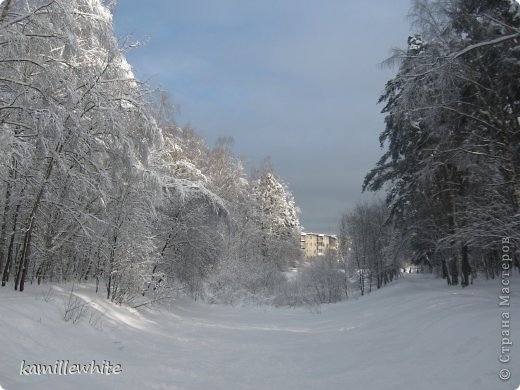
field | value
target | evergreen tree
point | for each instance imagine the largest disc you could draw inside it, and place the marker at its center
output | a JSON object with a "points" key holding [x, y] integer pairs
{"points": [[452, 130]]}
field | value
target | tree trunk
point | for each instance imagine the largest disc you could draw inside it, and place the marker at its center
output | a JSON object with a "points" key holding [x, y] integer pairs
{"points": [[9, 263], [445, 273], [466, 267], [454, 271], [111, 285], [3, 228], [26, 248]]}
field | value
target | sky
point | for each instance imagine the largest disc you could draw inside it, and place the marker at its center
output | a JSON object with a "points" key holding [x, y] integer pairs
{"points": [[294, 80]]}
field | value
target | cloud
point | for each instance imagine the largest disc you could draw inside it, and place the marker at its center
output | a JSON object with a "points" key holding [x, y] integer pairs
{"points": [[294, 80]]}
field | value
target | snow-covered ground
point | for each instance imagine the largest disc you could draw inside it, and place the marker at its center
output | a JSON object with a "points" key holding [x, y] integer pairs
{"points": [[414, 334]]}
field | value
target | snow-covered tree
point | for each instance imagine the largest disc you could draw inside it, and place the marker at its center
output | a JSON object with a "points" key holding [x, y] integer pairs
{"points": [[367, 246], [76, 132], [277, 216], [99, 183], [452, 131]]}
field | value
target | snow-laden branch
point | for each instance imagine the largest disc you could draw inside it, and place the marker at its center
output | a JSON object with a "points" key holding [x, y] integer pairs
{"points": [[483, 44]]}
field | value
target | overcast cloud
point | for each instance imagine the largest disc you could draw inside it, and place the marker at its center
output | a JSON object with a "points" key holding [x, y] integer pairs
{"points": [[294, 80]]}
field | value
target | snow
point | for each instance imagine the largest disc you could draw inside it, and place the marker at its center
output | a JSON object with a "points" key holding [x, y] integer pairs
{"points": [[415, 334]]}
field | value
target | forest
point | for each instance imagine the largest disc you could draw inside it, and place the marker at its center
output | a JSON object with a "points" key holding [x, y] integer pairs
{"points": [[451, 163], [100, 185]]}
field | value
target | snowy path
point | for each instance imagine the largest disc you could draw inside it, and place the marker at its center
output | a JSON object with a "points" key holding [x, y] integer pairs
{"points": [[415, 334]]}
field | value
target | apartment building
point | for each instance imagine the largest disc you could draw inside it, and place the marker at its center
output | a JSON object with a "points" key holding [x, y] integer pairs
{"points": [[315, 244]]}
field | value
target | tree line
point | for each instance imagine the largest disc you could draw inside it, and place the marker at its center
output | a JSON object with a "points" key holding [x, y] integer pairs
{"points": [[451, 165], [99, 184]]}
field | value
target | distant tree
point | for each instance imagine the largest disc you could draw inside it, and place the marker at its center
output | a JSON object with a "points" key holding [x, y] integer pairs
{"points": [[277, 216], [367, 238], [323, 279]]}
